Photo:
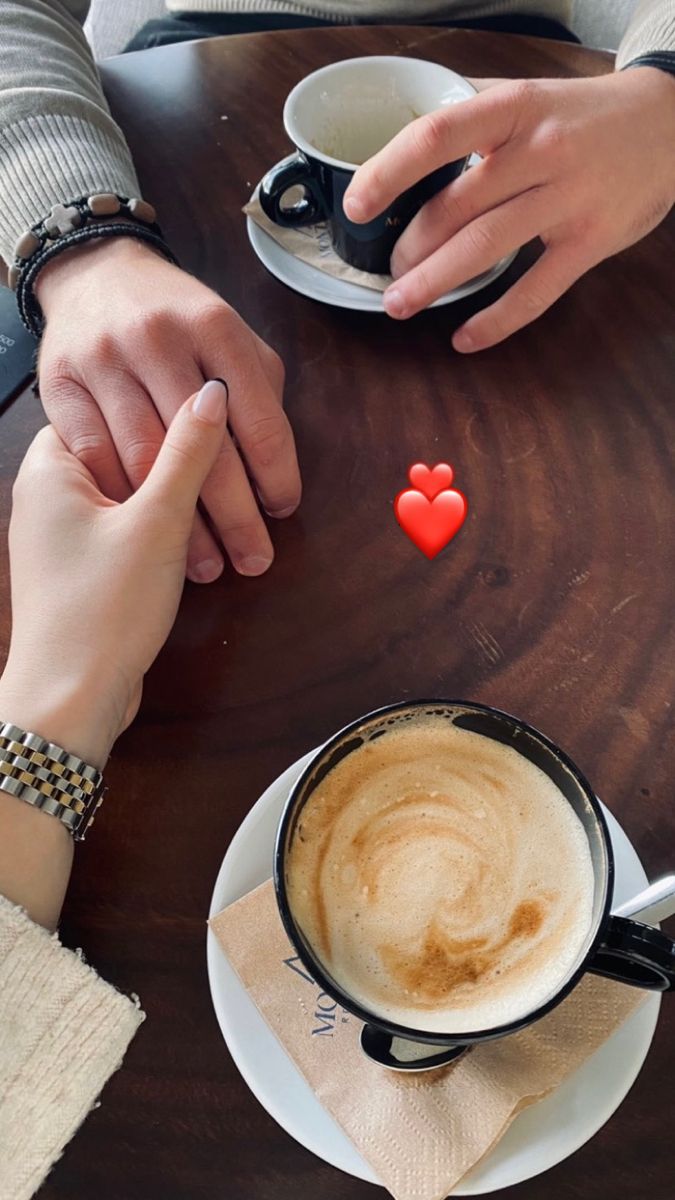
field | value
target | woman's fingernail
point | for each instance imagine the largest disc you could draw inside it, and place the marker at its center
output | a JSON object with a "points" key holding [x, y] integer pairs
{"points": [[210, 403], [206, 571], [394, 303], [353, 208], [255, 564], [463, 341]]}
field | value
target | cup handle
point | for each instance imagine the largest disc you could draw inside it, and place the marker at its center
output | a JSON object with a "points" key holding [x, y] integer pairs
{"points": [[636, 954], [293, 171]]}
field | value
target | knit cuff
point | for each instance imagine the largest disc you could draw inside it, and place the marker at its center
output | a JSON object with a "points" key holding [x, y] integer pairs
{"points": [[52, 159], [63, 1032], [341, 13], [663, 60], [650, 30]]}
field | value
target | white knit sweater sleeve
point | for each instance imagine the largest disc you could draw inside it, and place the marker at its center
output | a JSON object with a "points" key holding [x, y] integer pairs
{"points": [[63, 1032], [58, 140]]}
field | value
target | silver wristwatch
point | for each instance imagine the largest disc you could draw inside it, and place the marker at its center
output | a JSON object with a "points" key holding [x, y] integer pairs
{"points": [[49, 778]]}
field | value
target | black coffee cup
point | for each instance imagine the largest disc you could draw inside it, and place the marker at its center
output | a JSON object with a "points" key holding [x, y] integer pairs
{"points": [[614, 946], [338, 117]]}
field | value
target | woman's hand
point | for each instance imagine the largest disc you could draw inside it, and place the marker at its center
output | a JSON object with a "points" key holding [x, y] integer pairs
{"points": [[96, 584], [128, 337], [587, 165]]}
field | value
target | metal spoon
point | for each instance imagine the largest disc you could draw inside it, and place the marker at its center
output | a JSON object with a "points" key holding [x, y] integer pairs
{"points": [[652, 905]]}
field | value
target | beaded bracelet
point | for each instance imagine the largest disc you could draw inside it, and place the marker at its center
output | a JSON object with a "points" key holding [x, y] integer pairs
{"points": [[70, 225]]}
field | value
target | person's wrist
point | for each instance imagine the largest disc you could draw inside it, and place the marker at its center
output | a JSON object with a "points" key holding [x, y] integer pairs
{"points": [[82, 718], [654, 90], [662, 80], [70, 271]]}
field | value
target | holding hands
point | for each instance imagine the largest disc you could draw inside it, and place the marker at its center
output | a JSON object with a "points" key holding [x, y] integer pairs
{"points": [[96, 583], [128, 337], [586, 165]]}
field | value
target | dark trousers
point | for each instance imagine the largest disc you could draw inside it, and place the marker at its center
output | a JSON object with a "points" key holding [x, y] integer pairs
{"points": [[187, 26]]}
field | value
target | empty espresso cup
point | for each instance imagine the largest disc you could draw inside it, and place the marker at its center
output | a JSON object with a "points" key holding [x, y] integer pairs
{"points": [[340, 116], [442, 857]]}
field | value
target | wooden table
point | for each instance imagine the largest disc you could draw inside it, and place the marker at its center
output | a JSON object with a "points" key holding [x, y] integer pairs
{"points": [[554, 602]]}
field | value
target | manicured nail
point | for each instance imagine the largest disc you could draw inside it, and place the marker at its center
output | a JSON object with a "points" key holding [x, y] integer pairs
{"points": [[394, 303], [353, 208], [280, 513], [211, 402], [255, 564], [463, 341], [206, 571]]}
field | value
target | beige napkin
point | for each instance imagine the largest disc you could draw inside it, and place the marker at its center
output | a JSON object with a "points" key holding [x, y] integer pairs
{"points": [[421, 1133], [312, 244]]}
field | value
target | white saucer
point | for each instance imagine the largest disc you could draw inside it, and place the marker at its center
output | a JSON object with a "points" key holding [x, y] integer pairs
{"points": [[317, 285], [539, 1138]]}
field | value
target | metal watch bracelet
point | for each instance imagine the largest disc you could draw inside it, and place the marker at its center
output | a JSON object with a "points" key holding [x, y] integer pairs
{"points": [[48, 777]]}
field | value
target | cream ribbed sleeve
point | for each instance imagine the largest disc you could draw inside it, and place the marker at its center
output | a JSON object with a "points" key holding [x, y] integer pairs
{"points": [[63, 1032], [652, 28], [57, 138]]}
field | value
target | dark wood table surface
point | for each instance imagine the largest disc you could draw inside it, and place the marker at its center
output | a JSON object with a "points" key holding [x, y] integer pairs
{"points": [[555, 602]]}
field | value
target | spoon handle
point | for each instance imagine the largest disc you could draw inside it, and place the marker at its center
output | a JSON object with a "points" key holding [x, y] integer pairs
{"points": [[652, 905]]}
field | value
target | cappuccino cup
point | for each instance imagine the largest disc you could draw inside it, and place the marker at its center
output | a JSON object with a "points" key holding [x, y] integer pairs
{"points": [[445, 873], [337, 118]]}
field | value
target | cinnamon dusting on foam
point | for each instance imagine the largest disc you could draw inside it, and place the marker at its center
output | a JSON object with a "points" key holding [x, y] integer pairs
{"points": [[446, 963], [442, 878]]}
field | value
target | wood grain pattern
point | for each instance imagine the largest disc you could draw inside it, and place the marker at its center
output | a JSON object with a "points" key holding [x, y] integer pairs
{"points": [[555, 602]]}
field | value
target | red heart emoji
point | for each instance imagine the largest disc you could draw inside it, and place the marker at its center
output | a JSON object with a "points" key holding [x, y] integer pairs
{"points": [[430, 481], [430, 524]]}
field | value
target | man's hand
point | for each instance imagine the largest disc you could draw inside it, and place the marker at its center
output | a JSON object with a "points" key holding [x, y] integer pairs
{"points": [[128, 337], [587, 165]]}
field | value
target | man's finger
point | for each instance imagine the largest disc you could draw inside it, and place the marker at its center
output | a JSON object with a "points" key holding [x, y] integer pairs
{"points": [[234, 511], [272, 366], [492, 182], [482, 84], [259, 423], [536, 290], [481, 123], [82, 428], [475, 249], [133, 422]]}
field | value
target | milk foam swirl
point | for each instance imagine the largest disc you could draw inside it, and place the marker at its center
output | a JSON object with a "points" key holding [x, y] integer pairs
{"points": [[442, 879]]}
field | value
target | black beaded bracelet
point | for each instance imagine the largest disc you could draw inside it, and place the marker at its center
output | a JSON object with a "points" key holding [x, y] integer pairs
{"points": [[70, 225]]}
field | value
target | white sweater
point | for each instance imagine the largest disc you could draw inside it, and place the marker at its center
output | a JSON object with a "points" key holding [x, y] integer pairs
{"points": [[63, 1032]]}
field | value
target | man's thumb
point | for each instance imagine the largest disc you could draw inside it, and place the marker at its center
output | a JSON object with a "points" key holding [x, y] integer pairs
{"points": [[189, 450]]}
